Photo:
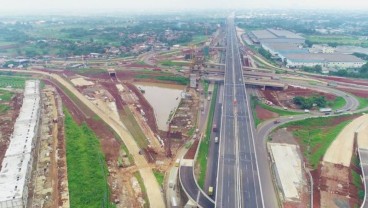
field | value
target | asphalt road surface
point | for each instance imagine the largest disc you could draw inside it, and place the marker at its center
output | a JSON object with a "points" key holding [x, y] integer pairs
{"points": [[238, 182]]}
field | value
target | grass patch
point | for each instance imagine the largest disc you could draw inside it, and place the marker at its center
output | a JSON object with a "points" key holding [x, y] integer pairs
{"points": [[338, 103], [204, 145], [281, 112], [363, 102], [253, 105], [87, 171], [315, 135], [6, 95], [129, 121], [13, 81], [4, 108], [176, 79], [139, 178], [159, 177], [173, 63], [205, 85]]}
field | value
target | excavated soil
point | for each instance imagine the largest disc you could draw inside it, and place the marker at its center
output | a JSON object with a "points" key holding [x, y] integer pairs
{"points": [[359, 93], [265, 114]]}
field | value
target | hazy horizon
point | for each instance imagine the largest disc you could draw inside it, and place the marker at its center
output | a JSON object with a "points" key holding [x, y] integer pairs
{"points": [[98, 6]]}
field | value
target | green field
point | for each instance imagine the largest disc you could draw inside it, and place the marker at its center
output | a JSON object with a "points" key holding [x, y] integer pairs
{"points": [[87, 172], [337, 39], [198, 39], [176, 79], [13, 81], [315, 135], [159, 177], [6, 95], [204, 144], [173, 63]]}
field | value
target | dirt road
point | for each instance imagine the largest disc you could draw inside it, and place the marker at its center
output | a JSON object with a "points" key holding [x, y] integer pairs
{"points": [[152, 187]]}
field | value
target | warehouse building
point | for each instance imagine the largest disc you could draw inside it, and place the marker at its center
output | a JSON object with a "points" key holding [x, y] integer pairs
{"points": [[275, 36], [283, 49], [324, 60], [16, 167]]}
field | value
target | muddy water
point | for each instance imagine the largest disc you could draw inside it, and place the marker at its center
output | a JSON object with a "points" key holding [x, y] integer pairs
{"points": [[164, 98]]}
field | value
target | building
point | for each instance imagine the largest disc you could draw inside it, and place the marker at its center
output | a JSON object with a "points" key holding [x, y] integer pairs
{"points": [[323, 59], [17, 164], [283, 49], [275, 36]]}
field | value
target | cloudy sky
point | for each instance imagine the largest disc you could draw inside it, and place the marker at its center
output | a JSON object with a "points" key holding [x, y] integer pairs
{"points": [[35, 6]]}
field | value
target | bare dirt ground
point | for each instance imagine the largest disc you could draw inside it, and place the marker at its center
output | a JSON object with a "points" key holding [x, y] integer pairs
{"points": [[283, 136], [192, 150], [284, 98], [356, 92], [334, 186], [264, 114]]}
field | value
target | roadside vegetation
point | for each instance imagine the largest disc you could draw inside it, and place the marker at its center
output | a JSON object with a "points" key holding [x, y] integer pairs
{"points": [[363, 102], [159, 177], [139, 178], [356, 177], [204, 144], [87, 170], [315, 135]]}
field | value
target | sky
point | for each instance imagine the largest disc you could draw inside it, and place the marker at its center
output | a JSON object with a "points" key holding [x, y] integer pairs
{"points": [[91, 6]]}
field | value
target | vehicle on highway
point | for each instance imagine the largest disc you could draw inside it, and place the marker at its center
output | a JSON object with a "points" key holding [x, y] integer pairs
{"points": [[214, 128], [306, 111], [177, 162], [210, 190], [338, 111], [216, 139], [174, 203], [276, 121]]}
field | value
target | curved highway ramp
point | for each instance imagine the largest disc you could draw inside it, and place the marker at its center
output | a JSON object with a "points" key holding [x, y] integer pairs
{"points": [[190, 186]]}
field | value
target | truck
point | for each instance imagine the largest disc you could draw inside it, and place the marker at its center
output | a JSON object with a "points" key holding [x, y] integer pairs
{"points": [[210, 191], [216, 139]]}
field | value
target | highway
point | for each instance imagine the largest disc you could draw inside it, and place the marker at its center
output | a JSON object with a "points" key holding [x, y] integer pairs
{"points": [[238, 182]]}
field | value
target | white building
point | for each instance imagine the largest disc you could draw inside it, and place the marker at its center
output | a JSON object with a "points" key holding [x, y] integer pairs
{"points": [[17, 164], [324, 60]]}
